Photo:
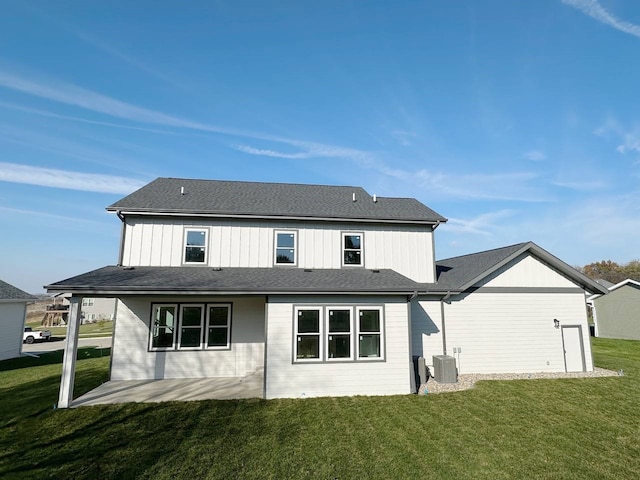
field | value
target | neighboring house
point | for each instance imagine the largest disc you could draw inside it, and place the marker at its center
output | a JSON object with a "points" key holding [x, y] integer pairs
{"points": [[617, 314], [99, 308], [13, 313], [326, 290]]}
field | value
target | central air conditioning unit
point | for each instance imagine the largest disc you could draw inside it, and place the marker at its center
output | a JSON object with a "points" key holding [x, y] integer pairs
{"points": [[444, 369]]}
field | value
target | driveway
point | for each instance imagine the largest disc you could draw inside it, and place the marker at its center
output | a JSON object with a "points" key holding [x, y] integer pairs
{"points": [[58, 343]]}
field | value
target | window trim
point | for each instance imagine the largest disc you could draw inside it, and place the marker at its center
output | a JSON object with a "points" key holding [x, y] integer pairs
{"points": [[320, 333], [343, 248], [380, 309], [295, 247], [327, 334], [206, 245], [227, 346]]}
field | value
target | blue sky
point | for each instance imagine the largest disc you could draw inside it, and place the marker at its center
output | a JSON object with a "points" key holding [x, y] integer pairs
{"points": [[516, 120]]}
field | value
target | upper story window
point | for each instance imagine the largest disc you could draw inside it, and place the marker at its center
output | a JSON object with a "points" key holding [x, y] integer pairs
{"points": [[286, 251], [87, 302], [352, 249], [195, 245]]}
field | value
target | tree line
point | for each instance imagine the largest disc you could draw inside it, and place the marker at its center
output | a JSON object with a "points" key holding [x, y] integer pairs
{"points": [[612, 271]]}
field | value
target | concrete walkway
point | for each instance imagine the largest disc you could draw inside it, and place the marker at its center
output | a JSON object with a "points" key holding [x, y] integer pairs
{"points": [[185, 389]]}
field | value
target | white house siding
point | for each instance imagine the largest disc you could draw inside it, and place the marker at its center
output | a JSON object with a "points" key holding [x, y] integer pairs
{"points": [[513, 332], [159, 242], [12, 317], [132, 360], [426, 328], [527, 271], [285, 379]]}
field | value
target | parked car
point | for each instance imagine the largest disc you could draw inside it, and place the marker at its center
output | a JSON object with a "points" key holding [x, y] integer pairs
{"points": [[30, 335]]}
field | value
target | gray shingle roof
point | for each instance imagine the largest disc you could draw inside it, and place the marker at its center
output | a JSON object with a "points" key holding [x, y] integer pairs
{"points": [[271, 199], [460, 273], [9, 292], [457, 272], [201, 280]]}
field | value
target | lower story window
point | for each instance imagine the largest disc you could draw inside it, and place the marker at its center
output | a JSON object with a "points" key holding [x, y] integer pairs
{"points": [[369, 333], [336, 334], [163, 327], [191, 326], [308, 334]]}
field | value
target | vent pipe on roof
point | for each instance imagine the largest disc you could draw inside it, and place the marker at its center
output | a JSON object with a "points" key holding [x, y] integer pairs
{"points": [[354, 196], [181, 190], [375, 198]]}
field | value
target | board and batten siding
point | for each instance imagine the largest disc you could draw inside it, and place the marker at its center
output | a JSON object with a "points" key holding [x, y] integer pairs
{"points": [[160, 242], [12, 316], [507, 325], [286, 379], [132, 360]]}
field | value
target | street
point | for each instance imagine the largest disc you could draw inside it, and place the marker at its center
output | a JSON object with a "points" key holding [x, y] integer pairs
{"points": [[58, 343]]}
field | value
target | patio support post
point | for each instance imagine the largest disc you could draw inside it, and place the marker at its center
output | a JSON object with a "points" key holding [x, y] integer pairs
{"points": [[70, 353]]}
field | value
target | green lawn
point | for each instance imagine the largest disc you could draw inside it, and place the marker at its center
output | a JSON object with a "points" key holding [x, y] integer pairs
{"points": [[549, 429]]}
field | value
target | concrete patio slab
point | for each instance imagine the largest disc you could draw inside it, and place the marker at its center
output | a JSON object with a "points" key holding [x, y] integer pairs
{"points": [[185, 389]]}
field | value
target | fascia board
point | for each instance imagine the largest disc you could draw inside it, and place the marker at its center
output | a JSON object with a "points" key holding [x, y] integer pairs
{"points": [[170, 213]]}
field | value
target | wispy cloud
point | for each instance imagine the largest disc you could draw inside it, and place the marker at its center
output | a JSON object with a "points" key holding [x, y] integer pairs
{"points": [[49, 177], [597, 11], [501, 186], [44, 113], [271, 153], [535, 156], [51, 216], [480, 225], [630, 137]]}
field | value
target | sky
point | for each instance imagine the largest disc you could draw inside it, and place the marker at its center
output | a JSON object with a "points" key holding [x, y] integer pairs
{"points": [[518, 121]]}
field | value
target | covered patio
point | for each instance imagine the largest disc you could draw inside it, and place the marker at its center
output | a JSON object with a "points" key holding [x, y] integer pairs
{"points": [[184, 389]]}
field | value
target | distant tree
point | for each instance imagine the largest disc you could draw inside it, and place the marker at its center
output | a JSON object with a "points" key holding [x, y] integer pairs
{"points": [[611, 271]]}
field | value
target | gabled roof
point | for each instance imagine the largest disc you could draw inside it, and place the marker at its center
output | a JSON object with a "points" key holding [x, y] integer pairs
{"points": [[628, 281], [269, 200], [117, 280], [9, 292], [461, 273]]}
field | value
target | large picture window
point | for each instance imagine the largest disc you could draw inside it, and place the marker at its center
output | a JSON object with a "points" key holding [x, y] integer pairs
{"points": [[195, 246], [190, 326], [352, 249], [285, 243], [338, 333]]}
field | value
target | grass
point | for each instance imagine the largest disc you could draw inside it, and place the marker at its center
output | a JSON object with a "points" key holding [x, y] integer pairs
{"points": [[547, 429]]}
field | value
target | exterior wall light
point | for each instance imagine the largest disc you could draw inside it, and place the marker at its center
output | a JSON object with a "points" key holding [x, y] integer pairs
{"points": [[556, 323]]}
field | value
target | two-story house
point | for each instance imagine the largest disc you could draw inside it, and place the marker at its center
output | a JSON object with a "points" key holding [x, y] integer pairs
{"points": [[321, 291]]}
